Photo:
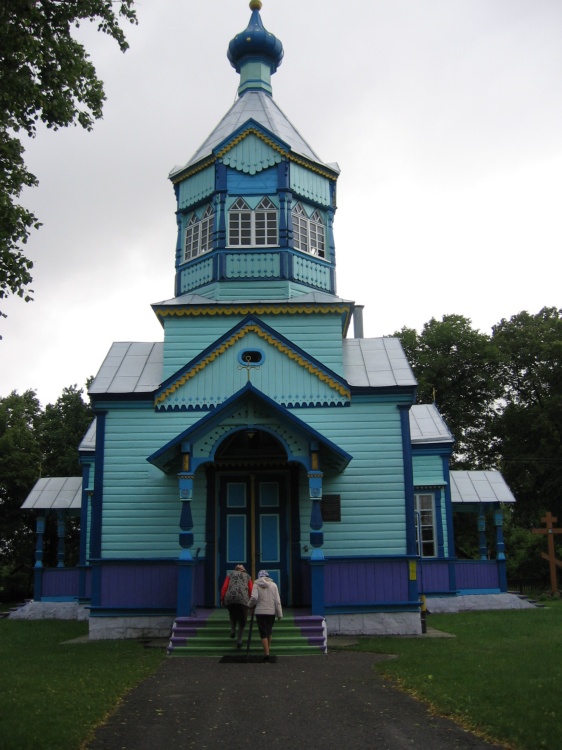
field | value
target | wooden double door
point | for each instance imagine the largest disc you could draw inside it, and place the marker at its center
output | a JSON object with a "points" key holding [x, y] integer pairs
{"points": [[254, 525]]}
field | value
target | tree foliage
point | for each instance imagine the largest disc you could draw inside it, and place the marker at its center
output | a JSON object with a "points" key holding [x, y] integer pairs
{"points": [[501, 397], [457, 368], [35, 443], [529, 429], [46, 76], [20, 467]]}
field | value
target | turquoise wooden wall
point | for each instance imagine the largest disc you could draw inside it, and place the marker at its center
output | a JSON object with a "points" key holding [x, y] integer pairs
{"points": [[318, 335], [280, 377], [142, 508], [310, 185], [372, 486], [196, 188], [141, 505]]}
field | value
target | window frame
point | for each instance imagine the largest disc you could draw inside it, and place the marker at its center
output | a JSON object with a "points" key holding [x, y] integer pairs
{"points": [[427, 539], [198, 235], [258, 227], [309, 233]]}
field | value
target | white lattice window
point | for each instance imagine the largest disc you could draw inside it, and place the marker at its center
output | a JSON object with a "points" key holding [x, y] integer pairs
{"points": [[252, 228], [425, 524], [308, 233], [198, 235]]}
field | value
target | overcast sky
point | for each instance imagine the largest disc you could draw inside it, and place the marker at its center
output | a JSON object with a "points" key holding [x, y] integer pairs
{"points": [[445, 117]]}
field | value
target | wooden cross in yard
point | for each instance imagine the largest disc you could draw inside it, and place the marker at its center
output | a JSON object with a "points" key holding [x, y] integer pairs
{"points": [[550, 520]]}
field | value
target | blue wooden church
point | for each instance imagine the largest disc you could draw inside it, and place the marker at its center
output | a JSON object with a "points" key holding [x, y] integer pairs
{"points": [[260, 431]]}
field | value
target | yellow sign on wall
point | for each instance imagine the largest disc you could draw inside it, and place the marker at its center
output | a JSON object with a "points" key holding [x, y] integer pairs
{"points": [[413, 570]]}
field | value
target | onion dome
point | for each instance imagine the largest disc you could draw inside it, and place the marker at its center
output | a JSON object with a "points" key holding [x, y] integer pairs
{"points": [[255, 45]]}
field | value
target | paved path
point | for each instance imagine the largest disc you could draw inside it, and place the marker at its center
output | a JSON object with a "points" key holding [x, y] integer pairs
{"points": [[334, 702]]}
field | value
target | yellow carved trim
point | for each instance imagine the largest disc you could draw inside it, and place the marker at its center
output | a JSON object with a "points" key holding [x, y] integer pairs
{"points": [[251, 131], [252, 328], [249, 309]]}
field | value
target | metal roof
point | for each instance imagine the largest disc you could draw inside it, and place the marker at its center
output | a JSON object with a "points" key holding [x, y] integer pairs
{"points": [[89, 440], [258, 106], [480, 487], [428, 426], [130, 367], [59, 493], [314, 298], [376, 363]]}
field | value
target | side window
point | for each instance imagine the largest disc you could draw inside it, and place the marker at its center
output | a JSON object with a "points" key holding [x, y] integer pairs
{"points": [[425, 524], [199, 235], [308, 234]]}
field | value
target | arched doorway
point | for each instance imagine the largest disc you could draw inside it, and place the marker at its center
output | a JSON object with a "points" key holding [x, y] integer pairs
{"points": [[256, 508]]}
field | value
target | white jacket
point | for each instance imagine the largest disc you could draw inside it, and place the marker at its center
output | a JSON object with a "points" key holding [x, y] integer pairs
{"points": [[265, 598]]}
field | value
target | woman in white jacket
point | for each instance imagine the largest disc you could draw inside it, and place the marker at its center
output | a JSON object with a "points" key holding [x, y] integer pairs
{"points": [[265, 598]]}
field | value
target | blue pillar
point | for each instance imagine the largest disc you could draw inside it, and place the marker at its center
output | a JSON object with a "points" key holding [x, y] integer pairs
{"points": [[500, 549], [61, 530], [316, 535], [38, 571], [482, 533], [186, 563]]}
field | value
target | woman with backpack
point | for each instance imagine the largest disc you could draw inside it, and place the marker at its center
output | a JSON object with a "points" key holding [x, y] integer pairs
{"points": [[235, 595]]}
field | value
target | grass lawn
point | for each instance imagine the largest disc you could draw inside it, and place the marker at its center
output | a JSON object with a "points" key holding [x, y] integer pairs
{"points": [[52, 694], [500, 676]]}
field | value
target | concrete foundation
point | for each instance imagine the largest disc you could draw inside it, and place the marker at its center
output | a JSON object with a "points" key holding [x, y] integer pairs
{"points": [[375, 623], [51, 611], [115, 628]]}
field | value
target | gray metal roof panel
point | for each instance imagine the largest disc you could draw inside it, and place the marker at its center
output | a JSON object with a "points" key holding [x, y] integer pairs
{"points": [[258, 106], [89, 440], [130, 367], [376, 363], [480, 487], [311, 297], [428, 426], [61, 493]]}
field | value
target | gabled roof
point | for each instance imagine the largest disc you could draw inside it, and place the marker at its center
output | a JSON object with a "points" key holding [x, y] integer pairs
{"points": [[58, 493], [261, 108], [428, 426], [479, 487], [168, 457], [136, 367], [336, 389], [376, 363]]}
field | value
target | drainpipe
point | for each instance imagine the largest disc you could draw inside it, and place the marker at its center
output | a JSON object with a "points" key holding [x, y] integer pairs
{"points": [[358, 321]]}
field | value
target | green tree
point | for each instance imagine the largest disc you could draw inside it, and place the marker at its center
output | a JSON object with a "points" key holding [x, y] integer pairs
{"points": [[61, 429], [45, 76], [529, 429], [20, 467], [457, 368]]}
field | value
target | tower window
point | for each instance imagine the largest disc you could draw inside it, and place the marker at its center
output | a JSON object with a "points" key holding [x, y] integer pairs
{"points": [[198, 235], [308, 234], [247, 228]]}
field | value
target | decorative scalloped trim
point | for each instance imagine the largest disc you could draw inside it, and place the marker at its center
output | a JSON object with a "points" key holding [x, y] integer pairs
{"points": [[240, 137], [249, 309], [251, 327]]}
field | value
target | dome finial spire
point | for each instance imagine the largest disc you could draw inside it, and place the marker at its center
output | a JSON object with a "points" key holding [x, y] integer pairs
{"points": [[255, 53]]}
